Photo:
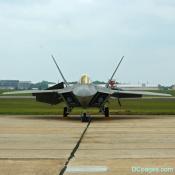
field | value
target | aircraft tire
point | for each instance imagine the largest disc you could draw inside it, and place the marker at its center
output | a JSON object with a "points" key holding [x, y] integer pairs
{"points": [[106, 111], [85, 118], [65, 112]]}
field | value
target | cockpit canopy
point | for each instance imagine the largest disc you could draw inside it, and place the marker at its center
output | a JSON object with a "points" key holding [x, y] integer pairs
{"points": [[85, 79]]}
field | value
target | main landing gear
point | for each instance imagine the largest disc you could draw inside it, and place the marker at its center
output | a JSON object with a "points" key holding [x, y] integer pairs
{"points": [[106, 112], [85, 118], [66, 111]]}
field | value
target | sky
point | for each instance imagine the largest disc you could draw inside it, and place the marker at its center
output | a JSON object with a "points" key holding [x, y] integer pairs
{"points": [[88, 36]]}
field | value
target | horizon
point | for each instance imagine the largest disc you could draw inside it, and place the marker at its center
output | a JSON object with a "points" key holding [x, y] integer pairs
{"points": [[100, 82]]}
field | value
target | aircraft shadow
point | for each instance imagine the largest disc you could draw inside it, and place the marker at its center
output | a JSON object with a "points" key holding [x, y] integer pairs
{"points": [[93, 118]]}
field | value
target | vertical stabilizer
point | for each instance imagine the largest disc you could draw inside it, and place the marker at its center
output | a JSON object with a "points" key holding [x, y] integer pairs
{"points": [[65, 82], [107, 85]]}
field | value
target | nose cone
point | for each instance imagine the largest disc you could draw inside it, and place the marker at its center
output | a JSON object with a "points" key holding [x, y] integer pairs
{"points": [[84, 91], [84, 94]]}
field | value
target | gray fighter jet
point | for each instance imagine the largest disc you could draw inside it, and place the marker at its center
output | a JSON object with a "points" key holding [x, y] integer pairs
{"points": [[84, 94]]}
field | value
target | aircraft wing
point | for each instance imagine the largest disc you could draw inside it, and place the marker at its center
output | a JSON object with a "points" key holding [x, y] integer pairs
{"points": [[59, 91], [50, 96], [135, 94]]}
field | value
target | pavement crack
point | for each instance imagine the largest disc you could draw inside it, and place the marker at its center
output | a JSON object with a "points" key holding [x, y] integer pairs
{"points": [[75, 149]]}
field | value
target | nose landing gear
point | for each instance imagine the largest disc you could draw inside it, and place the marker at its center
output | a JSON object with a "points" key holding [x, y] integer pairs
{"points": [[85, 118]]}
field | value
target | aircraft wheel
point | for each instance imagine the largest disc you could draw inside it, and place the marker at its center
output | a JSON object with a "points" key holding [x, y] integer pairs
{"points": [[65, 112], [85, 118], [106, 111]]}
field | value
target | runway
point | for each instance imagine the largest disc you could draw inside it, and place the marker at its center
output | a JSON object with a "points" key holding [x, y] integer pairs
{"points": [[51, 145]]}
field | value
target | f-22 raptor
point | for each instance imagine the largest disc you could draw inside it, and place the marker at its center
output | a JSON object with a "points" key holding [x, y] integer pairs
{"points": [[84, 94]]}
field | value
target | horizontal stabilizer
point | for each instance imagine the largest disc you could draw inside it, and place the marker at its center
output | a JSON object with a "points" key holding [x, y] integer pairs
{"points": [[136, 94]]}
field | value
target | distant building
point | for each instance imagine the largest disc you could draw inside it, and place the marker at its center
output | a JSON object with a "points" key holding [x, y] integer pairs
{"points": [[9, 84], [24, 85], [15, 84]]}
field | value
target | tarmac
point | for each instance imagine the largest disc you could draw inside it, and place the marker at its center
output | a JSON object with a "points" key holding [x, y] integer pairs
{"points": [[119, 145]]}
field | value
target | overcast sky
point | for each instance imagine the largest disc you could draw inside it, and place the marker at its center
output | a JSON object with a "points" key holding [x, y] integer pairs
{"points": [[88, 36]]}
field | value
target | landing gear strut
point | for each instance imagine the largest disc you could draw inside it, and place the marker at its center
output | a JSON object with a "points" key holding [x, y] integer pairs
{"points": [[65, 112], [85, 118]]}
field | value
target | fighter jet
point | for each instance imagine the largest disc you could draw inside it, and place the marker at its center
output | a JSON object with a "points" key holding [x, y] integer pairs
{"points": [[84, 94]]}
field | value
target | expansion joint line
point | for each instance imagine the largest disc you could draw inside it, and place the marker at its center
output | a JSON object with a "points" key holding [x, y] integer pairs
{"points": [[74, 150]]}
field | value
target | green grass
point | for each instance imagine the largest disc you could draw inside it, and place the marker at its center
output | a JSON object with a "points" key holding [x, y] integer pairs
{"points": [[136, 106], [145, 106]]}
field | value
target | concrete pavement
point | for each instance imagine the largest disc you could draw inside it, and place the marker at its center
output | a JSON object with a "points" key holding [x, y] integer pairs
{"points": [[43, 145]]}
